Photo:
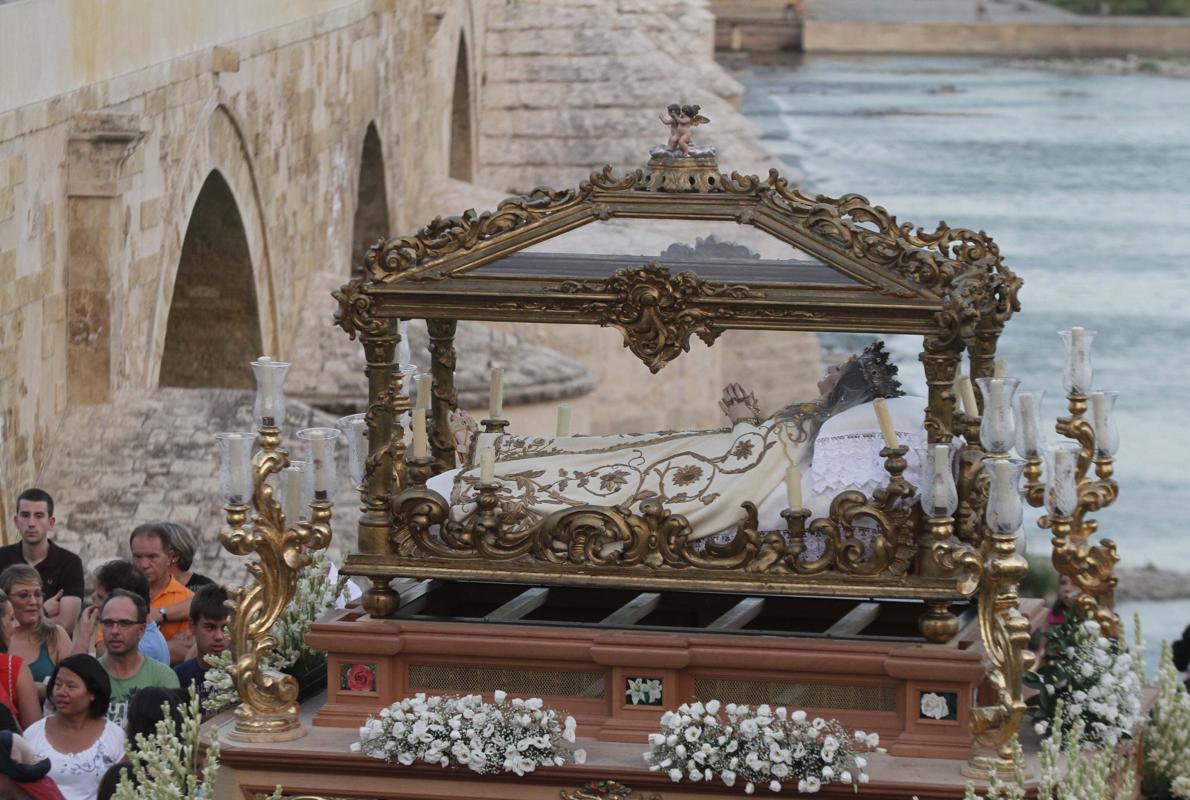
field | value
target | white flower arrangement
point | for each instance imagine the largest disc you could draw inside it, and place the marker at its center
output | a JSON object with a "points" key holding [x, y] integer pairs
{"points": [[1069, 769], [508, 735], [171, 764], [758, 747], [1167, 735], [934, 706], [312, 598], [1092, 679]]}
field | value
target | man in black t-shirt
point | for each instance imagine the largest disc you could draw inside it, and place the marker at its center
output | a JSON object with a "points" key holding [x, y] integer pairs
{"points": [[61, 570]]}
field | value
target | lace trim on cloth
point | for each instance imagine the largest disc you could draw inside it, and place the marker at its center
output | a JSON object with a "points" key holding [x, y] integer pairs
{"points": [[852, 461]]}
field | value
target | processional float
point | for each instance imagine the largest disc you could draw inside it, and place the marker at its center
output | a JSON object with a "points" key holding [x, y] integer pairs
{"points": [[954, 541]]}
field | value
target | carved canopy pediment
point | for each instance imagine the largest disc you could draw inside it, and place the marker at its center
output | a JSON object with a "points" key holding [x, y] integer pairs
{"points": [[862, 270]]}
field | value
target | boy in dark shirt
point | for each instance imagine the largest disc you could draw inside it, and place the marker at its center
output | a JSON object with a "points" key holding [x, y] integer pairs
{"points": [[61, 570], [208, 619]]}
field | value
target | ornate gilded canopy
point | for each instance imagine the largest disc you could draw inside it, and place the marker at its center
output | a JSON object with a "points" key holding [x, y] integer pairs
{"points": [[861, 269]]}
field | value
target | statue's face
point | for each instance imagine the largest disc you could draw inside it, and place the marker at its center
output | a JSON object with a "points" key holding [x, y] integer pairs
{"points": [[830, 378]]}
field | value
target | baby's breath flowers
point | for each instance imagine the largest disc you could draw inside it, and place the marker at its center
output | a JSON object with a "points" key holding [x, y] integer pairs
{"points": [[765, 747], [508, 735], [1088, 679]]}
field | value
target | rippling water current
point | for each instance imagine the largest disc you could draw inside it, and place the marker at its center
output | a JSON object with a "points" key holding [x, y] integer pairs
{"points": [[1082, 180]]}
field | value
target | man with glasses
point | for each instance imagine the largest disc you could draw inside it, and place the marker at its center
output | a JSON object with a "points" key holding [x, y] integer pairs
{"points": [[122, 620]]}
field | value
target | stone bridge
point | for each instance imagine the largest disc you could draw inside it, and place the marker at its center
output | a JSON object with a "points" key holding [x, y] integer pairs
{"points": [[181, 185]]}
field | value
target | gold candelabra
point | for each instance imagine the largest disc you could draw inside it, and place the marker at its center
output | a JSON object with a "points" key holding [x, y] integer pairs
{"points": [[259, 524]]}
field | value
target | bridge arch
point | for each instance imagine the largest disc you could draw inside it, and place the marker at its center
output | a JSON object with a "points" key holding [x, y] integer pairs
{"points": [[216, 170], [371, 220]]}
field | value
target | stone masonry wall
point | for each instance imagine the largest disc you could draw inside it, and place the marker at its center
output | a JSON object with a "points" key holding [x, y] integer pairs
{"points": [[97, 187]]}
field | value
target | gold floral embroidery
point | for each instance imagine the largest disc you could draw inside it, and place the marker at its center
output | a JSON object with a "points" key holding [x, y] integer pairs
{"points": [[684, 476]]}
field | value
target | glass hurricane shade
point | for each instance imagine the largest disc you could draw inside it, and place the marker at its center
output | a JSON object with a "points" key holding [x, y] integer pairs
{"points": [[1076, 375], [1005, 512], [355, 431], [939, 496], [1103, 420], [997, 433], [235, 466], [1030, 435], [268, 409], [320, 449], [1061, 490]]}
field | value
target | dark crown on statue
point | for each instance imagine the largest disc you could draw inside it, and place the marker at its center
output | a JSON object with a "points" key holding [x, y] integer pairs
{"points": [[879, 371]]}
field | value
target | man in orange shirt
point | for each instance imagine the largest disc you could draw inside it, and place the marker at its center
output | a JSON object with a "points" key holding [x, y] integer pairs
{"points": [[152, 553]]}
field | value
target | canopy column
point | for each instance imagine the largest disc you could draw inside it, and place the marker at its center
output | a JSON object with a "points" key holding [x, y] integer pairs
{"points": [[445, 398]]}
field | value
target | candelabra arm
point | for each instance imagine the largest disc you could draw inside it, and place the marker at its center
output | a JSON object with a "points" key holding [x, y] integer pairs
{"points": [[268, 711], [1005, 633]]}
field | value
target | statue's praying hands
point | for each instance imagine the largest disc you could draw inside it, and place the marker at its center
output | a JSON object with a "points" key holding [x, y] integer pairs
{"points": [[739, 404]]}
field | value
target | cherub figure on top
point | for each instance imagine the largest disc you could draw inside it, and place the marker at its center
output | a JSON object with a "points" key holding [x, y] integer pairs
{"points": [[680, 120]]}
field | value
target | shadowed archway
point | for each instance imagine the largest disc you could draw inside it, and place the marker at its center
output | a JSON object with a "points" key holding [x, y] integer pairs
{"points": [[371, 206], [461, 160], [214, 325]]}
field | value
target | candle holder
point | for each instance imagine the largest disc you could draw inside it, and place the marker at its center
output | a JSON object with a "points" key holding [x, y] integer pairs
{"points": [[495, 426], [795, 523], [257, 524], [1072, 493], [420, 470]]}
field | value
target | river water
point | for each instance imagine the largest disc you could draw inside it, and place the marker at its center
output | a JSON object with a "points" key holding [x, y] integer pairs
{"points": [[1082, 180]]}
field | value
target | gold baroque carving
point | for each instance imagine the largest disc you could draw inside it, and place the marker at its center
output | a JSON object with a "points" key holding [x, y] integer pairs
{"points": [[355, 310], [656, 311], [604, 790]]}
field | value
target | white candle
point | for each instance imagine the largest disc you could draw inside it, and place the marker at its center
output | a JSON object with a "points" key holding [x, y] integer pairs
{"points": [[420, 443], [793, 487], [267, 390], [1099, 415], [321, 453], [487, 465], [292, 509], [423, 391], [1029, 425], [563, 429], [1000, 369], [496, 400], [967, 393], [1076, 339], [885, 420]]}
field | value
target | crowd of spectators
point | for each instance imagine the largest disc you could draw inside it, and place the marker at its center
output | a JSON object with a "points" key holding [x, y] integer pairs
{"points": [[79, 680]]}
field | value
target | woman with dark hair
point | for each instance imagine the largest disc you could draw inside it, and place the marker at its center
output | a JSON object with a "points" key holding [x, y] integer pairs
{"points": [[704, 476], [78, 739], [147, 707], [1181, 654], [111, 780], [18, 692]]}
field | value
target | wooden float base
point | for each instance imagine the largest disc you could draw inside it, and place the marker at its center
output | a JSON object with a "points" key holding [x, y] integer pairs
{"points": [[320, 766]]}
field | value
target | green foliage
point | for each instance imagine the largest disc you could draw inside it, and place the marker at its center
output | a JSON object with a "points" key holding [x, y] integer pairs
{"points": [[1162, 8], [1041, 580], [171, 764]]}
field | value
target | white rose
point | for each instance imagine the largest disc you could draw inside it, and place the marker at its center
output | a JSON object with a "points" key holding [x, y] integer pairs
{"points": [[500, 695], [580, 756], [712, 706], [749, 789], [861, 762], [774, 786], [675, 775], [827, 773], [863, 777], [812, 784], [727, 776], [798, 716], [845, 776], [934, 706]]}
